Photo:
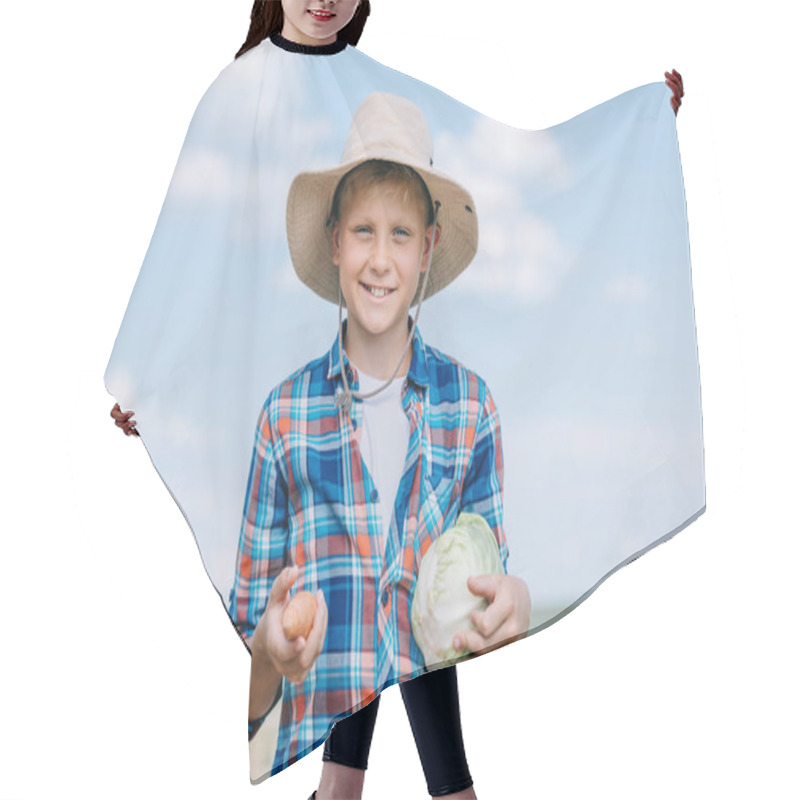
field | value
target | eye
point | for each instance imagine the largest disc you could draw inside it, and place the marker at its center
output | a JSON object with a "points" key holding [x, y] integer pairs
{"points": [[402, 232], [362, 229]]}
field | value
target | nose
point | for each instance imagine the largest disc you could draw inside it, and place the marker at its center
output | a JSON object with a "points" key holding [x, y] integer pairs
{"points": [[380, 257]]}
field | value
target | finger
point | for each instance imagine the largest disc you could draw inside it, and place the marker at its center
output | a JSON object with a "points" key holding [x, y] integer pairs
{"points": [[468, 640], [483, 585], [293, 652], [475, 643], [282, 584], [297, 667], [677, 89], [321, 603], [306, 658], [299, 676], [507, 634], [317, 634], [118, 414], [489, 621], [288, 652], [323, 628]]}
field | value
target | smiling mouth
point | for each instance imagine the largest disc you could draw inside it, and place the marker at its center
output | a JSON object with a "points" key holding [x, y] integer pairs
{"points": [[323, 16], [378, 291]]}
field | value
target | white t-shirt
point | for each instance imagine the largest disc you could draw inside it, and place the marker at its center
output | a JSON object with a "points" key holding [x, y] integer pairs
{"points": [[384, 440]]}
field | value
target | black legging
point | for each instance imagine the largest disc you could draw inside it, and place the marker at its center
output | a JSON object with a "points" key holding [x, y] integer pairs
{"points": [[432, 706]]}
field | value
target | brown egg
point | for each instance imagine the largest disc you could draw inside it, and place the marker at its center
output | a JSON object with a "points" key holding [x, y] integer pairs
{"points": [[298, 616]]}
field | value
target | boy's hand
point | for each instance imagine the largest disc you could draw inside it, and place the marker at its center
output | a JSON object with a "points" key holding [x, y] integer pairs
{"points": [[507, 616], [675, 82], [292, 658], [124, 420]]}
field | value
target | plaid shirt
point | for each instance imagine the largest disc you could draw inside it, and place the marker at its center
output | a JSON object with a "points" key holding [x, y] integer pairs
{"points": [[311, 502]]}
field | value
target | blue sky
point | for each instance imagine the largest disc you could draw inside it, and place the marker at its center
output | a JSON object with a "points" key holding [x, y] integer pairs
{"points": [[577, 309]]}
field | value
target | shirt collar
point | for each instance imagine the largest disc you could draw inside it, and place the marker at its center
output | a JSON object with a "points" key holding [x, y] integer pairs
{"points": [[417, 371]]}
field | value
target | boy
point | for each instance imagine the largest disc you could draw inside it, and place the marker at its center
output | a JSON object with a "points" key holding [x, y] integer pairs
{"points": [[348, 488]]}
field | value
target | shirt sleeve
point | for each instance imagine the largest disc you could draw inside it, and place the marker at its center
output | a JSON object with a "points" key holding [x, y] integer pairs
{"points": [[482, 491], [263, 536]]}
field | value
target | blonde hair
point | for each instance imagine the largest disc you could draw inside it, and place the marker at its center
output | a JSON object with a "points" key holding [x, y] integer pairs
{"points": [[376, 172]]}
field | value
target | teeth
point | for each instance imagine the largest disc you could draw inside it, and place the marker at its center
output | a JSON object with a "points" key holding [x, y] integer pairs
{"points": [[377, 292]]}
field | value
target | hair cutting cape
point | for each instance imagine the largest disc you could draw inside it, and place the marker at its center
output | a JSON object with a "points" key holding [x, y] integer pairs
{"points": [[576, 314]]}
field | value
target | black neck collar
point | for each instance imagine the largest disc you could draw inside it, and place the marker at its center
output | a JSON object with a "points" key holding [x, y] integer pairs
{"points": [[308, 49]]}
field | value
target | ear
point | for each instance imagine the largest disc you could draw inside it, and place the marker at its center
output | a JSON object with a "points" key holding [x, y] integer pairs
{"points": [[428, 234], [335, 250]]}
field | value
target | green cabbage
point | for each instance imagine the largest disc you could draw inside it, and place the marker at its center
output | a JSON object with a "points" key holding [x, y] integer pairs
{"points": [[442, 602]]}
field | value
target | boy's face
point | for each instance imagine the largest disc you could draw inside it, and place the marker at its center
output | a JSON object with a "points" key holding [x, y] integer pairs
{"points": [[380, 245]]}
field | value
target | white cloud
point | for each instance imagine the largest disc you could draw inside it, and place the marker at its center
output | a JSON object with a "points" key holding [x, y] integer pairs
{"points": [[586, 456], [259, 147], [628, 289], [503, 168], [505, 156], [520, 254], [524, 259], [203, 174]]}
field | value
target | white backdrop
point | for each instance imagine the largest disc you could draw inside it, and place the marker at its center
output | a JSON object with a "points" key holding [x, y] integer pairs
{"points": [[676, 678]]}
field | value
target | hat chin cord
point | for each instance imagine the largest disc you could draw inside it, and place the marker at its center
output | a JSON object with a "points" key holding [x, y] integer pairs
{"points": [[344, 399]]}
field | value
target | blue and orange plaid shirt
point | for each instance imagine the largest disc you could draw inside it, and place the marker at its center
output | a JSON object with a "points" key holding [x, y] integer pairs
{"points": [[311, 502]]}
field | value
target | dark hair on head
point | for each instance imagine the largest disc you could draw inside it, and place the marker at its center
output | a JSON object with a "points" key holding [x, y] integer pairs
{"points": [[377, 171], [266, 18]]}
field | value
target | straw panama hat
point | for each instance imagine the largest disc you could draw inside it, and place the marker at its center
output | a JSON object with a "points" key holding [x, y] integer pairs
{"points": [[389, 128]]}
